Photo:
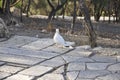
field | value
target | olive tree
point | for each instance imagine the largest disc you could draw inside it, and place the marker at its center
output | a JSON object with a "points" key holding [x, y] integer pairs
{"points": [[88, 24]]}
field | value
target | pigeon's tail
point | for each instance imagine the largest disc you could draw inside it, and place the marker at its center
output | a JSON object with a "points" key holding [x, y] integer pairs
{"points": [[67, 44]]}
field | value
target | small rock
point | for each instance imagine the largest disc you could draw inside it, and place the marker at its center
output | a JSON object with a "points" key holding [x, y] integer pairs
{"points": [[85, 47], [97, 48], [44, 30]]}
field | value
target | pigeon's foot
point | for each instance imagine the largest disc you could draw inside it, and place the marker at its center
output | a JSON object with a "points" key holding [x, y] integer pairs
{"points": [[70, 47]]}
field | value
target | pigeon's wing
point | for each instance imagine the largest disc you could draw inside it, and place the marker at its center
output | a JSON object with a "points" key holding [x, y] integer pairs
{"points": [[59, 39]]}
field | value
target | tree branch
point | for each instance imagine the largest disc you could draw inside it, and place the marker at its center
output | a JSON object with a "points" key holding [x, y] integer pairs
{"points": [[50, 4], [60, 6]]}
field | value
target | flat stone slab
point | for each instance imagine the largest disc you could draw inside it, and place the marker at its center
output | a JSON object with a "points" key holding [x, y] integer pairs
{"points": [[69, 58], [10, 69], [51, 77], [17, 41], [109, 59], [83, 79], [80, 53], [19, 77], [97, 66], [1, 63], [72, 75], [92, 74], [59, 70], [55, 62], [56, 49], [24, 52], [36, 70], [114, 67], [3, 75], [109, 77], [19, 59], [39, 44], [76, 66], [84, 60]]}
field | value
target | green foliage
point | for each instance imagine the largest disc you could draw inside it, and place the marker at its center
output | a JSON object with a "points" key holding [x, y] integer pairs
{"points": [[39, 7], [18, 5], [98, 8], [0, 3]]}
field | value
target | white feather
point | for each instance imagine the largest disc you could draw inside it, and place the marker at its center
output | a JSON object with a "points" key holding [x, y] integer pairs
{"points": [[58, 39]]}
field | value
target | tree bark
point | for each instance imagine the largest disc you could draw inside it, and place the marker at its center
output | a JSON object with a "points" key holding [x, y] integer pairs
{"points": [[28, 7], [13, 3], [7, 8], [4, 32], [54, 10], [21, 11], [3, 5], [74, 17], [109, 10], [88, 24]]}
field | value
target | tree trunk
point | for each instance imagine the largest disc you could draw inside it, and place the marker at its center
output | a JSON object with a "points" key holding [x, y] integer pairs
{"points": [[74, 17], [109, 11], [4, 32], [52, 13], [88, 24], [21, 11], [97, 16], [3, 5], [63, 12], [28, 7], [54, 9], [7, 7]]}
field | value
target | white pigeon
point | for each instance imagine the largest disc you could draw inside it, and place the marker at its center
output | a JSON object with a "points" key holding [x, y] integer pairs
{"points": [[59, 40]]}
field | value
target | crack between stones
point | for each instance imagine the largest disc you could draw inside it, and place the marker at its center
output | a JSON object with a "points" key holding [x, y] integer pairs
{"points": [[65, 67], [13, 74], [50, 71], [36, 77], [26, 44], [52, 57], [77, 76], [65, 71]]}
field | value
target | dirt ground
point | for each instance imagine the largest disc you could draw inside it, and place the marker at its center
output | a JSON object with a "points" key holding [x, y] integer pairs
{"points": [[108, 35]]}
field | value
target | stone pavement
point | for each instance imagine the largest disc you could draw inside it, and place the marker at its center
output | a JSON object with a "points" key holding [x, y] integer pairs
{"points": [[29, 58]]}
